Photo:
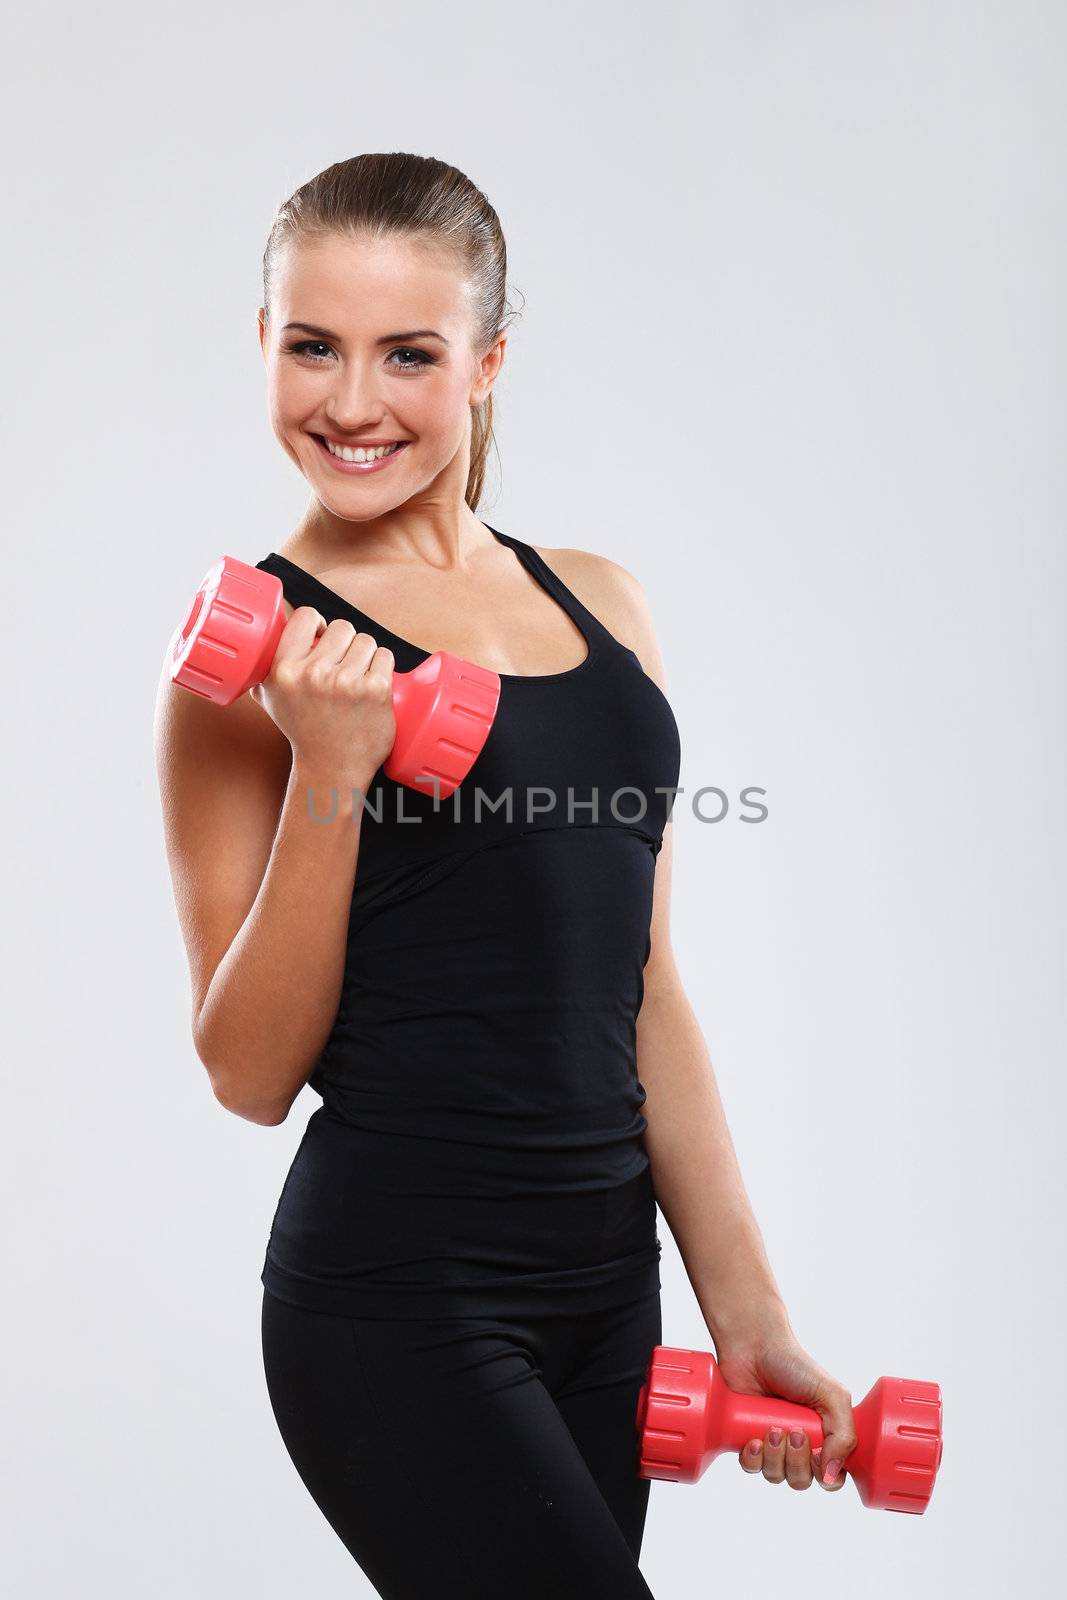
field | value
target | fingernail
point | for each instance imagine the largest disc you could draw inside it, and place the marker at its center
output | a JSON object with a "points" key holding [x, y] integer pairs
{"points": [[833, 1466], [775, 1436], [796, 1438], [754, 1447]]}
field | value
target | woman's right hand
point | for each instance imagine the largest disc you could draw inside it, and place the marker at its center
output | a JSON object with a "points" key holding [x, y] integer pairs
{"points": [[330, 691]]}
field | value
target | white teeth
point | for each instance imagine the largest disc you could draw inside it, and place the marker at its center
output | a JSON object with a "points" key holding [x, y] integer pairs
{"points": [[345, 454]]}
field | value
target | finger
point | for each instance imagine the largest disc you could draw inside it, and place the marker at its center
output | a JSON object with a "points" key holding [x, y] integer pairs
{"points": [[383, 662], [751, 1457], [359, 662], [774, 1455], [831, 1488], [797, 1459], [332, 646], [299, 633], [839, 1431], [379, 673]]}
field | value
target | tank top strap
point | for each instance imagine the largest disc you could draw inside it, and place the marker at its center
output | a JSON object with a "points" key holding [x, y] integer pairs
{"points": [[585, 619]]}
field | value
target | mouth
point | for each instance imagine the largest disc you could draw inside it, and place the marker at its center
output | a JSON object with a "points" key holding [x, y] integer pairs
{"points": [[370, 462]]}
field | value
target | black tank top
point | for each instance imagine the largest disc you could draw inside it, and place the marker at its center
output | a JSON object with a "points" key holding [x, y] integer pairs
{"points": [[481, 1124]]}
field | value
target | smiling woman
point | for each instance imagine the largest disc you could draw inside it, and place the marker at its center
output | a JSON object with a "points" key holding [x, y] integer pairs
{"points": [[461, 1283]]}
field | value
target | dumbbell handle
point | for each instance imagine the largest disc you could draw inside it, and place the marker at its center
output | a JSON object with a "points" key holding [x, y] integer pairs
{"points": [[749, 1416]]}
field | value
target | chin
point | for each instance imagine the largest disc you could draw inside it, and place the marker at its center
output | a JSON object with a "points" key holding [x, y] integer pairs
{"points": [[345, 513]]}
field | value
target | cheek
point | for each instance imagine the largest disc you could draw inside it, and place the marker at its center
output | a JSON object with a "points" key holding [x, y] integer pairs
{"points": [[438, 410], [293, 392]]}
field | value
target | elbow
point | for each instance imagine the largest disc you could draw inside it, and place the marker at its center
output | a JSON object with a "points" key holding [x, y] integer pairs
{"points": [[235, 1098], [258, 1111]]}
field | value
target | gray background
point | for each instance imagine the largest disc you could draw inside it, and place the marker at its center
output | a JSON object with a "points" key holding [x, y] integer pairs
{"points": [[793, 353]]}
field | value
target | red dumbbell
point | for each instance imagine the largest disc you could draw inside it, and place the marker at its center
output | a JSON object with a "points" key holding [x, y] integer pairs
{"points": [[687, 1415], [444, 709]]}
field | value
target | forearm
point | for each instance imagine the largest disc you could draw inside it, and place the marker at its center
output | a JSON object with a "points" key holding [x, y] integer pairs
{"points": [[274, 996], [695, 1172]]}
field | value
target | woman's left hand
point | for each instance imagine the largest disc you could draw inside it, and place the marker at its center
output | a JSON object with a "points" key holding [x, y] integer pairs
{"points": [[777, 1364]]}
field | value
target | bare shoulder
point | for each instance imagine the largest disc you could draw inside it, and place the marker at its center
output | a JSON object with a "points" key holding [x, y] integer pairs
{"points": [[615, 597]]}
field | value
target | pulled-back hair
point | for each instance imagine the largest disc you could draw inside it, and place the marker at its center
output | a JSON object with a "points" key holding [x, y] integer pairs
{"points": [[379, 195]]}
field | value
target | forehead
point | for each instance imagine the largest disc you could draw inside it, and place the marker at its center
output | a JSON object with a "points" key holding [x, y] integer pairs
{"points": [[353, 284]]}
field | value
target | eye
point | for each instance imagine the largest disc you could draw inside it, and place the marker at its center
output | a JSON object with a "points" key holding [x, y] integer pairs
{"points": [[422, 358], [306, 347]]}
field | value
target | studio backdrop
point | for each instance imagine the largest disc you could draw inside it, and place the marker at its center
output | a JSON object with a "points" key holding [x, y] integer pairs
{"points": [[790, 351]]}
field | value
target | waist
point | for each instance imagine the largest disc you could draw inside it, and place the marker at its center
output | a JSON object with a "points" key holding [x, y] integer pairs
{"points": [[362, 1221], [460, 1151]]}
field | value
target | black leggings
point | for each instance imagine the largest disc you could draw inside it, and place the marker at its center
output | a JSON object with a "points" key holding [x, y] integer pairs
{"points": [[482, 1458]]}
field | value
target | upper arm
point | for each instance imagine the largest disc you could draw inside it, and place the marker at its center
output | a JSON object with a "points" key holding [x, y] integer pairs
{"points": [[660, 968], [223, 773], [618, 600]]}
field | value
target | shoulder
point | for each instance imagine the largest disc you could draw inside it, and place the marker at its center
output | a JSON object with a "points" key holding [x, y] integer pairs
{"points": [[615, 597]]}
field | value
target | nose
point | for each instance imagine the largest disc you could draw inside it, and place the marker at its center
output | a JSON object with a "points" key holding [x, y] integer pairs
{"points": [[354, 402]]}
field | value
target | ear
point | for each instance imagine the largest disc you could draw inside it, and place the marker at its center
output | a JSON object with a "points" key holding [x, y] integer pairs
{"points": [[488, 368]]}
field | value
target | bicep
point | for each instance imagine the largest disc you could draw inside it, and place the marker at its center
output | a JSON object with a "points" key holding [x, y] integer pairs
{"points": [[223, 773], [636, 623], [660, 968]]}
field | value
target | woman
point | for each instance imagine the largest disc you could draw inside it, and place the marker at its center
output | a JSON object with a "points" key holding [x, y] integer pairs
{"points": [[461, 1286]]}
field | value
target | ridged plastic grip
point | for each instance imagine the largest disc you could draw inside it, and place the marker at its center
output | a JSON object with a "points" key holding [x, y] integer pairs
{"points": [[231, 631], [444, 710]]}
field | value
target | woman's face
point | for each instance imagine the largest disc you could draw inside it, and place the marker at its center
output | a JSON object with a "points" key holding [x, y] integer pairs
{"points": [[386, 356]]}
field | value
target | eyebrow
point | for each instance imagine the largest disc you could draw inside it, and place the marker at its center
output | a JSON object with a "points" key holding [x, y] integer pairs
{"points": [[387, 338]]}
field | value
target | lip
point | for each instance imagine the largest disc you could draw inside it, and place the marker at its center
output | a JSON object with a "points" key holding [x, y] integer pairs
{"points": [[359, 467]]}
